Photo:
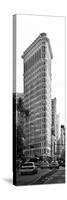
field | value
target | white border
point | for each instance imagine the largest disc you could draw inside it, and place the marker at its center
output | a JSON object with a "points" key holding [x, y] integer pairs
{"points": [[7, 190]]}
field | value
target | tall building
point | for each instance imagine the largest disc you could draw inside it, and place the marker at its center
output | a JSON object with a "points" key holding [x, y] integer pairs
{"points": [[62, 138], [59, 148], [61, 143], [57, 126], [57, 133], [37, 96], [53, 128]]}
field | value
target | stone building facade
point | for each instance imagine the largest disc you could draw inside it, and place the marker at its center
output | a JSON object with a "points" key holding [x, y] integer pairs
{"points": [[37, 96], [53, 128]]}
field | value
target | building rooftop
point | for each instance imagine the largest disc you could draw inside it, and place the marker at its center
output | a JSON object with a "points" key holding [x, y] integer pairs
{"points": [[42, 36]]}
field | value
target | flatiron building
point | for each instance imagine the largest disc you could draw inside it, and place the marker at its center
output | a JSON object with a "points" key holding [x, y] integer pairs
{"points": [[37, 96]]}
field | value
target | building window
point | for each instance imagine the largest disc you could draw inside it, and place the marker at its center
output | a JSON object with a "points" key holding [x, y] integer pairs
{"points": [[43, 48], [44, 150], [35, 58], [43, 51]]}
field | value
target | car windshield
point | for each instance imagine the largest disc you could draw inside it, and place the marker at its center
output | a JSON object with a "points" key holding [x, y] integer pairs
{"points": [[54, 162]]}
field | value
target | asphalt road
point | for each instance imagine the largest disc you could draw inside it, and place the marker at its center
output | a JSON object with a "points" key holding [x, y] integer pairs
{"points": [[30, 179], [57, 177], [44, 176]]}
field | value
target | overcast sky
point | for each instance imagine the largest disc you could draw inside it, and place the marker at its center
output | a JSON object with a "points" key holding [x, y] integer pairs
{"points": [[28, 29]]}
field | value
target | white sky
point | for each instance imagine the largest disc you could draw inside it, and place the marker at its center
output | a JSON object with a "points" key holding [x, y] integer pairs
{"points": [[28, 29]]}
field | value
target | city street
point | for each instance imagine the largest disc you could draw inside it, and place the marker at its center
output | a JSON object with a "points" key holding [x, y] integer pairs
{"points": [[58, 177], [31, 179], [44, 176]]}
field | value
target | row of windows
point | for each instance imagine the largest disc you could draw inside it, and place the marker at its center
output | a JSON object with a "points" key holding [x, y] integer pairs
{"points": [[37, 92], [29, 151], [37, 67], [35, 76], [32, 133], [43, 124], [37, 145], [41, 151], [37, 106], [32, 101], [35, 81], [36, 129], [35, 72], [43, 114], [28, 85], [37, 151], [32, 97], [42, 118], [34, 108], [30, 77], [35, 121], [39, 95], [39, 112], [37, 85], [32, 73], [35, 88], [35, 58], [38, 115], [36, 139], [39, 139]]}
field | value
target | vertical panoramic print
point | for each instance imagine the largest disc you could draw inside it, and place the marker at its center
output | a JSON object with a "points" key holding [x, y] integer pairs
{"points": [[38, 100]]}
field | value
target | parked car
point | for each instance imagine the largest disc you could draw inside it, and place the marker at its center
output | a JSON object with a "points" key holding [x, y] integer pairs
{"points": [[62, 163], [54, 164], [28, 168], [44, 164], [35, 160]]}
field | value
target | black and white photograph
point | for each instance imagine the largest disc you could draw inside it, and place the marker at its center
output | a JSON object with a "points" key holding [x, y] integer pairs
{"points": [[39, 128]]}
